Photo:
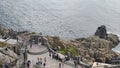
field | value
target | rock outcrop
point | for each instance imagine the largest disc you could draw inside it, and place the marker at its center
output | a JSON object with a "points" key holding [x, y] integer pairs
{"points": [[98, 47], [94, 48], [101, 32]]}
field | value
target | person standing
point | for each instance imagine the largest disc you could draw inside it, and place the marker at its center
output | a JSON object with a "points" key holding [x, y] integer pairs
{"points": [[74, 63], [28, 64], [5, 65], [38, 59], [44, 64], [49, 54], [59, 65], [44, 59], [30, 43], [63, 63], [41, 61]]}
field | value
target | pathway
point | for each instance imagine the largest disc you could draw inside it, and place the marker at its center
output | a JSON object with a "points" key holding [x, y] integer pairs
{"points": [[51, 63]]}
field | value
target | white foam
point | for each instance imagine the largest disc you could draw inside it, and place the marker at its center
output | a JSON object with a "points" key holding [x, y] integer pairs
{"points": [[117, 48]]}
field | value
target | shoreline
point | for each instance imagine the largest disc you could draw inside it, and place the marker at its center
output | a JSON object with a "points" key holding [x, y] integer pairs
{"points": [[78, 46], [65, 38]]}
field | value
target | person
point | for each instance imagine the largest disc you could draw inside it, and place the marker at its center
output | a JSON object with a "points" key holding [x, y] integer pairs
{"points": [[75, 62], [44, 59], [50, 54], [38, 59], [63, 63], [59, 65], [28, 64], [82, 66], [57, 56], [41, 61], [6, 65], [97, 63], [30, 43], [44, 64]]}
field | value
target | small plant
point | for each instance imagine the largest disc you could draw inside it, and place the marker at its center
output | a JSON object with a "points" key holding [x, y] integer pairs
{"points": [[3, 44], [1, 64], [72, 50], [33, 33]]}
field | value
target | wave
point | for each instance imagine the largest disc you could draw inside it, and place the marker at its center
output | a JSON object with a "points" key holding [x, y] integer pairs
{"points": [[117, 48]]}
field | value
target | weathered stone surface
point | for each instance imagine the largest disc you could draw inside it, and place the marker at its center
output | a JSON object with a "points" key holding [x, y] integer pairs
{"points": [[7, 55], [94, 48], [114, 39], [98, 47], [57, 42], [101, 31]]}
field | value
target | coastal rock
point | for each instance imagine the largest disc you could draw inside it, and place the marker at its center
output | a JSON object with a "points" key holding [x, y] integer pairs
{"points": [[96, 49], [57, 42], [7, 56], [114, 39], [101, 32], [92, 48]]}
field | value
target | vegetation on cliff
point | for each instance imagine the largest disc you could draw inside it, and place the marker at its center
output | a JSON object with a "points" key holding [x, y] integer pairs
{"points": [[94, 48], [62, 46], [3, 44]]}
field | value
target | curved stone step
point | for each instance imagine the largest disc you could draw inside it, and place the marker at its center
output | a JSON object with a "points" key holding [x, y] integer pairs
{"points": [[37, 53]]}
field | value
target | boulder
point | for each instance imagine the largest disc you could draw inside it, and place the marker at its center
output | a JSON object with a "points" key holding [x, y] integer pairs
{"points": [[7, 55], [114, 39], [101, 32]]}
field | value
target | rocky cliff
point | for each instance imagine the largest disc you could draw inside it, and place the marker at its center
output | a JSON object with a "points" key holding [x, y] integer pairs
{"points": [[7, 54], [94, 48]]}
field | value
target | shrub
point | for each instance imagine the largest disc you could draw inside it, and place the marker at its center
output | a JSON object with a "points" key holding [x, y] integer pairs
{"points": [[72, 50], [3, 44]]}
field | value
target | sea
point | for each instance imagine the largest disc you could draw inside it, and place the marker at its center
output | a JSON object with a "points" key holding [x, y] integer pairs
{"points": [[68, 19]]}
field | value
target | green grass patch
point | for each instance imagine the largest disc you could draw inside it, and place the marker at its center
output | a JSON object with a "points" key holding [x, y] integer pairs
{"points": [[72, 50], [3, 44], [1, 64], [33, 33]]}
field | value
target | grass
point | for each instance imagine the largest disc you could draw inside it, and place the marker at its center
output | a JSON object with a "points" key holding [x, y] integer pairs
{"points": [[33, 33], [72, 50], [3, 44], [1, 64]]}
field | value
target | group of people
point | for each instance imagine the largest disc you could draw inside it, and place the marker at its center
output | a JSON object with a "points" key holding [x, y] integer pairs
{"points": [[61, 64], [41, 62], [75, 63], [52, 55], [6, 65]]}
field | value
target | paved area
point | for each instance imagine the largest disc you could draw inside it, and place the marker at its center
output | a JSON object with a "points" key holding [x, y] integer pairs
{"points": [[51, 63], [36, 48]]}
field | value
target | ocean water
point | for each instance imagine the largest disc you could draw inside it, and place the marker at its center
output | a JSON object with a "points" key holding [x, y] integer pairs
{"points": [[68, 19]]}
